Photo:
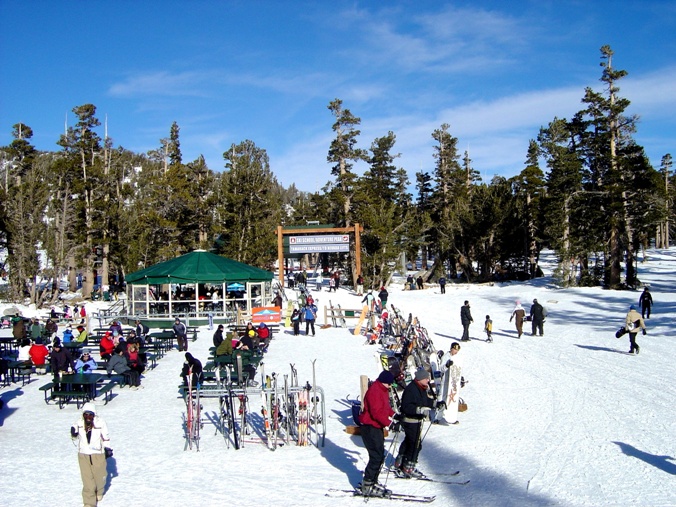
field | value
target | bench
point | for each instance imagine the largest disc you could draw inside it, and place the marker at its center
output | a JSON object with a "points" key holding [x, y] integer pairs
{"points": [[191, 330], [105, 390], [64, 397], [47, 389]]}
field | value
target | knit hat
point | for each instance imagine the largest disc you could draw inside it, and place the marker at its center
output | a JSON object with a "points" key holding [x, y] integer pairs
{"points": [[386, 377], [632, 307], [421, 375]]}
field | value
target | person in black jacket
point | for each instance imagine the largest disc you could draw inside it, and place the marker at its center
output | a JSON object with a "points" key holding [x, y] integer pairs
{"points": [[218, 336], [645, 302], [537, 315], [192, 366], [416, 405], [60, 360], [466, 319]]}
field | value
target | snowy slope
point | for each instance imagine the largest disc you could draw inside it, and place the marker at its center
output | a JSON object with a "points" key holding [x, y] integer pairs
{"points": [[566, 419]]}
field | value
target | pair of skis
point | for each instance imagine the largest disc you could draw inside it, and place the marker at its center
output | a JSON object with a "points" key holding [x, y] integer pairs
{"points": [[193, 422]]}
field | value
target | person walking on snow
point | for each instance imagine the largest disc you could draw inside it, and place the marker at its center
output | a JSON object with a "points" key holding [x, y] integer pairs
{"points": [[634, 323], [520, 314], [537, 315], [488, 327], [448, 412], [466, 319], [376, 415], [93, 446], [645, 302]]}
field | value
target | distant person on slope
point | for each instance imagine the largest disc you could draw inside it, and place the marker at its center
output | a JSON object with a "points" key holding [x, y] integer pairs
{"points": [[645, 302], [466, 319], [519, 315], [537, 315]]}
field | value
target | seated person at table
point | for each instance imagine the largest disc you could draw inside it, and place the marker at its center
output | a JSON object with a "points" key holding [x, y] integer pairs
{"points": [[192, 367], [118, 364], [85, 364], [246, 341], [67, 335], [106, 346], [135, 359], [116, 326], [60, 360], [24, 350], [38, 354], [225, 347], [218, 335], [264, 336], [81, 335]]}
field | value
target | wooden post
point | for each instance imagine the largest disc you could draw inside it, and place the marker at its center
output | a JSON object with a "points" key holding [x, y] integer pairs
{"points": [[280, 254]]}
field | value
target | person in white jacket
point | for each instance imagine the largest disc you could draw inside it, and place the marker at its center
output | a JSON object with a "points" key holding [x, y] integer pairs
{"points": [[93, 442], [449, 390]]}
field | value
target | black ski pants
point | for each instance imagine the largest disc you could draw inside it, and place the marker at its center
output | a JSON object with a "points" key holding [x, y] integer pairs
{"points": [[538, 326], [632, 343], [410, 447], [374, 441], [309, 323]]}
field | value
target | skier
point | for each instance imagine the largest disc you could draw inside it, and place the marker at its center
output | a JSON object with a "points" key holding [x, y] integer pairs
{"points": [[537, 315], [416, 405], [634, 322], [645, 302], [375, 416], [488, 327], [520, 315], [466, 319], [93, 442]]}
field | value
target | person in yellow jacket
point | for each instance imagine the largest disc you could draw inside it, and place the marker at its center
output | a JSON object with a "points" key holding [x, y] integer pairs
{"points": [[634, 323]]}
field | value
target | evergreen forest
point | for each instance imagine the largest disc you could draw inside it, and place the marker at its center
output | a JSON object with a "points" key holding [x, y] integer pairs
{"points": [[586, 190]]}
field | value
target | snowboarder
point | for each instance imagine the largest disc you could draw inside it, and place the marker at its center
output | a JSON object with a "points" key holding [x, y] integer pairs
{"points": [[466, 320], [93, 445], [634, 323], [537, 315], [488, 327], [416, 405], [645, 302], [520, 315], [376, 415]]}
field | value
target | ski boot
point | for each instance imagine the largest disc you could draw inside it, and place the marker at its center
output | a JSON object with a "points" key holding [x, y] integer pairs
{"points": [[411, 472], [374, 489]]}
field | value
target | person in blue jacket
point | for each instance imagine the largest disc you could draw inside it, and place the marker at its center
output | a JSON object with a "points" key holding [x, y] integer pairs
{"points": [[310, 311]]}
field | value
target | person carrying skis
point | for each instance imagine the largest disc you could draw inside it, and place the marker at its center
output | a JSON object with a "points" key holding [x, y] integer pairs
{"points": [[634, 323], [376, 415], [645, 302], [520, 315], [537, 315], [466, 319], [93, 446], [416, 405]]}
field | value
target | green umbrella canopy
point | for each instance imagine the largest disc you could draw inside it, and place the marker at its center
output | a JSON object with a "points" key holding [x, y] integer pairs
{"points": [[199, 267]]}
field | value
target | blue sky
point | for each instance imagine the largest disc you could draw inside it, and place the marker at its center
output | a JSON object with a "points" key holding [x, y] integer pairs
{"points": [[266, 71]]}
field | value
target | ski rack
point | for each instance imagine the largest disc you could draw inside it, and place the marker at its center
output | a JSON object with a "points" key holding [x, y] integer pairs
{"points": [[255, 430]]}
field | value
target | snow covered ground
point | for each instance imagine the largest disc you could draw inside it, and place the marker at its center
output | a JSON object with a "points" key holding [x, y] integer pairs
{"points": [[567, 419]]}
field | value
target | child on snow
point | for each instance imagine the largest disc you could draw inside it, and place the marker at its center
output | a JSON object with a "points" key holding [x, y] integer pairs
{"points": [[488, 327]]}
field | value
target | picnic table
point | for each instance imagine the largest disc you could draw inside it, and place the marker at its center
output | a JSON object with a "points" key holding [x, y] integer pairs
{"points": [[20, 370], [7, 345], [80, 387]]}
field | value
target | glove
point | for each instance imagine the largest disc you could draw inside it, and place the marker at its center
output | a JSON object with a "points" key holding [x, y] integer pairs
{"points": [[424, 411], [109, 375], [449, 363], [85, 367], [73, 432], [462, 382], [395, 426], [108, 452], [440, 354], [441, 405], [644, 332]]}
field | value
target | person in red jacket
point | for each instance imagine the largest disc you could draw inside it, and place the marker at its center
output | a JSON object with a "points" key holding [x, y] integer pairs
{"points": [[376, 415], [106, 346], [38, 354]]}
